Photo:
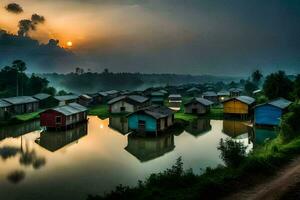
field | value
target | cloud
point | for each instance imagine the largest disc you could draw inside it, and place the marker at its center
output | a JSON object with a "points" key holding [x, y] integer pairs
{"points": [[38, 57], [14, 8], [37, 19]]}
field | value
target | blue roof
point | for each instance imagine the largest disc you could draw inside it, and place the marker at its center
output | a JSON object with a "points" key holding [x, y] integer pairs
{"points": [[279, 103]]}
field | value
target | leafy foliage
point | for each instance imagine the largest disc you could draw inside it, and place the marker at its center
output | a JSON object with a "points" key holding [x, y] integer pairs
{"points": [[290, 126], [278, 85], [232, 152]]}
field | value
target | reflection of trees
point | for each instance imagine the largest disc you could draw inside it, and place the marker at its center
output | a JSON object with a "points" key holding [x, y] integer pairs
{"points": [[8, 151], [30, 157], [16, 176], [27, 157]]}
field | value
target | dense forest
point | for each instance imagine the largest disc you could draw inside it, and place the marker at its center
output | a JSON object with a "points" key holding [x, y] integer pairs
{"points": [[81, 81], [15, 82]]}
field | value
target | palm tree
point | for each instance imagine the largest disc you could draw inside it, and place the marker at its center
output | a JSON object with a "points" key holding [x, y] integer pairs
{"points": [[256, 76], [20, 67]]}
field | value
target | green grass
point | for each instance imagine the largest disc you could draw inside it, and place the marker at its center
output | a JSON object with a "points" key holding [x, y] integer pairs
{"points": [[215, 113], [100, 111], [28, 116], [185, 117]]}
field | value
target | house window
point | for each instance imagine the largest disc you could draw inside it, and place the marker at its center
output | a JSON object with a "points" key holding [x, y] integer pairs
{"points": [[58, 119], [123, 109]]}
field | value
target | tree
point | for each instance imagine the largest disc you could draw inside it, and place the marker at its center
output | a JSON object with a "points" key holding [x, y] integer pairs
{"points": [[290, 127], [256, 76], [278, 85], [296, 91], [20, 67], [250, 87], [232, 152]]}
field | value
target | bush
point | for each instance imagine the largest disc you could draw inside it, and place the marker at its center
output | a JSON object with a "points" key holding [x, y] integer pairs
{"points": [[290, 126], [232, 152]]}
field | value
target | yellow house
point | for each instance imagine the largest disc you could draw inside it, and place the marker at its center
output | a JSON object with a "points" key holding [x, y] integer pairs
{"points": [[238, 105]]}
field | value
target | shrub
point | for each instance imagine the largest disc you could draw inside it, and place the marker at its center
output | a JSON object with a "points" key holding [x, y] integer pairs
{"points": [[232, 152], [290, 126]]}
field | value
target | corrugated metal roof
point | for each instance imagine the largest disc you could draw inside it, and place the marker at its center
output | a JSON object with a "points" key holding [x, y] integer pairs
{"points": [[41, 96], [209, 94], [66, 97], [175, 96], [223, 93], [134, 98], [4, 104], [279, 103], [235, 90], [20, 100], [110, 92], [204, 101], [246, 99], [78, 107], [86, 96], [158, 111], [155, 111], [71, 109], [193, 89], [157, 94]]}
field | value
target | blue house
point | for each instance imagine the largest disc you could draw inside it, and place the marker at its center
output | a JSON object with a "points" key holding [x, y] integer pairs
{"points": [[270, 113], [152, 119]]}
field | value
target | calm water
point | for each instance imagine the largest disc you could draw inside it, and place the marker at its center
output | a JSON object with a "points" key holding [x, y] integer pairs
{"points": [[96, 157]]}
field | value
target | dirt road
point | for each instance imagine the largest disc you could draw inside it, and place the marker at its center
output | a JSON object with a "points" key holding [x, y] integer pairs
{"points": [[274, 188]]}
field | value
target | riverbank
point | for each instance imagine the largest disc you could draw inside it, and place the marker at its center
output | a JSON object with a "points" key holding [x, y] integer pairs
{"points": [[175, 183], [19, 119]]}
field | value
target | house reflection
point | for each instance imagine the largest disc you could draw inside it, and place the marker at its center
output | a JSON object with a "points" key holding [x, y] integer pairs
{"points": [[54, 141], [119, 124], [19, 129], [263, 135], [198, 127], [149, 148], [238, 130]]}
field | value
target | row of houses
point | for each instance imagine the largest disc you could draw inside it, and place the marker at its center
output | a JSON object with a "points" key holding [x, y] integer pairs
{"points": [[268, 113]]}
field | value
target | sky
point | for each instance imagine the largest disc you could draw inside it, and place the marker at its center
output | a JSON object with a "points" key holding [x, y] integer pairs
{"points": [[224, 37]]}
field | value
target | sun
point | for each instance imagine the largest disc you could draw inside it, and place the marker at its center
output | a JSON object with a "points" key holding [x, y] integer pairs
{"points": [[69, 43]]}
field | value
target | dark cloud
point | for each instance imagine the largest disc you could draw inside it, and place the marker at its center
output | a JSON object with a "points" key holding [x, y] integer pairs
{"points": [[14, 8], [39, 57], [37, 19]]}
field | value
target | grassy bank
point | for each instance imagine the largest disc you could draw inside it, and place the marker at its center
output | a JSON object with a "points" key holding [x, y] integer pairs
{"points": [[99, 110], [175, 183], [18, 119]]}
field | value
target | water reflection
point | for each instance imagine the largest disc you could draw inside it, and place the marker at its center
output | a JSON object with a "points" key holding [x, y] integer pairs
{"points": [[263, 135], [54, 141], [198, 127], [149, 148], [119, 124], [16, 176], [19, 129]]}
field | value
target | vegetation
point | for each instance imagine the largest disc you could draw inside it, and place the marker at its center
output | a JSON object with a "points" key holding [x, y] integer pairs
{"points": [[232, 152], [278, 85], [241, 170], [28, 116], [100, 111], [14, 81]]}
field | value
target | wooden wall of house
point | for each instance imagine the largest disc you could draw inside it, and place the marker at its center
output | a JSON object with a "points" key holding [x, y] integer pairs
{"points": [[25, 108], [133, 122], [235, 107], [200, 108], [116, 107], [48, 119]]}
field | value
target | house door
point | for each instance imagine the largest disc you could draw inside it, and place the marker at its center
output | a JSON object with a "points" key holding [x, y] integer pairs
{"points": [[194, 110], [142, 126]]}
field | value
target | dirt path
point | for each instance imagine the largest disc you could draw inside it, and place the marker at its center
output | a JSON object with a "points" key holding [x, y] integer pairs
{"points": [[273, 188]]}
